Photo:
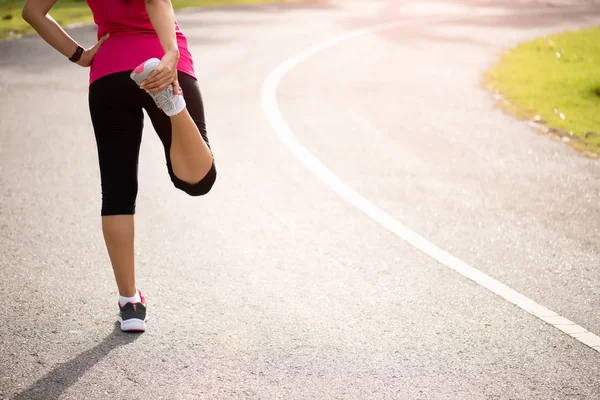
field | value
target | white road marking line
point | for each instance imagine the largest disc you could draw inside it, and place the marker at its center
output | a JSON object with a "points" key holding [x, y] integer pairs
{"points": [[285, 134]]}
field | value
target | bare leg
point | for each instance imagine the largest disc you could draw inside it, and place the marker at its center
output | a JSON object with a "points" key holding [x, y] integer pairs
{"points": [[190, 156], [119, 237]]}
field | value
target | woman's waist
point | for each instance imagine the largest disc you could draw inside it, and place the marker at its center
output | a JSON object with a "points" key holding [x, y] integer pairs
{"points": [[127, 52], [140, 43], [125, 33]]}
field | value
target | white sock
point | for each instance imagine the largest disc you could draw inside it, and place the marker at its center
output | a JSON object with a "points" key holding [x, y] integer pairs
{"points": [[133, 299]]}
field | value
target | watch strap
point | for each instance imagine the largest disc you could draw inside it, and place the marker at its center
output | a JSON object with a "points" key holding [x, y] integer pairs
{"points": [[77, 55]]}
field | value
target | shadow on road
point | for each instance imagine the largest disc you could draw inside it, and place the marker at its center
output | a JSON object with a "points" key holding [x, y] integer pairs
{"points": [[52, 385]]}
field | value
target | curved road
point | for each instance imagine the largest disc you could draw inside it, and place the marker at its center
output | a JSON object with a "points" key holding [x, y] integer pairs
{"points": [[274, 286]]}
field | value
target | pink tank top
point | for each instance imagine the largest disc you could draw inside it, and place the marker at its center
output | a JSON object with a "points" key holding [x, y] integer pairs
{"points": [[132, 38]]}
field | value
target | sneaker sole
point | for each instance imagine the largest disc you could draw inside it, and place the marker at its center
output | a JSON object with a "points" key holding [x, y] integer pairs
{"points": [[141, 72], [132, 325]]}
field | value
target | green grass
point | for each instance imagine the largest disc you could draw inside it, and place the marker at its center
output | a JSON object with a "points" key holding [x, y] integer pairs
{"points": [[554, 77], [73, 11], [65, 12]]}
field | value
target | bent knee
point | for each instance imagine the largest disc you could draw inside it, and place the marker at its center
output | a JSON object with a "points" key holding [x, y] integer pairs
{"points": [[200, 188]]}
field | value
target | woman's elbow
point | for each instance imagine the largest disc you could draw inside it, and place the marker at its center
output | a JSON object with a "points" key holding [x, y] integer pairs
{"points": [[32, 11], [28, 14]]}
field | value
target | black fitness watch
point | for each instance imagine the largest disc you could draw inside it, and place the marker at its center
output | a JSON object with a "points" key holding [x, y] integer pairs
{"points": [[77, 55]]}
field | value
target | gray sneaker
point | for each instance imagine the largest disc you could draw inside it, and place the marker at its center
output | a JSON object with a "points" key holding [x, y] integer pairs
{"points": [[171, 103], [133, 316]]}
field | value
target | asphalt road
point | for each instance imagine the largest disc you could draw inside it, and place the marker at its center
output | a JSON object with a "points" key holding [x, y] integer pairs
{"points": [[273, 286]]}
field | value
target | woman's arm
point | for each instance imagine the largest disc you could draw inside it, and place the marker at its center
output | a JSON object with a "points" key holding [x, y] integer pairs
{"points": [[35, 12], [162, 18]]}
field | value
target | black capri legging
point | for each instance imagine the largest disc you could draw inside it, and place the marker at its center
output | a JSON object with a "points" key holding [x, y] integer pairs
{"points": [[116, 104]]}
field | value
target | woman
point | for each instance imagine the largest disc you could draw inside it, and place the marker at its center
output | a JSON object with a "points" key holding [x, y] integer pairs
{"points": [[141, 61]]}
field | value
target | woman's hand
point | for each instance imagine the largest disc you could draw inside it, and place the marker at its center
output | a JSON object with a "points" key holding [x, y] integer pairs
{"points": [[88, 55], [164, 74]]}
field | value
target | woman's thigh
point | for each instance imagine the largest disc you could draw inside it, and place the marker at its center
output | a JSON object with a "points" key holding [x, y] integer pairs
{"points": [[194, 104], [117, 118]]}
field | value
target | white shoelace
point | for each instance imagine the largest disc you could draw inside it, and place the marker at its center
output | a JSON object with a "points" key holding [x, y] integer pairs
{"points": [[165, 100]]}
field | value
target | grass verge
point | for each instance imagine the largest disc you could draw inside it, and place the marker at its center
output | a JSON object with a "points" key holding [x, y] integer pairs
{"points": [[555, 80], [68, 12]]}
